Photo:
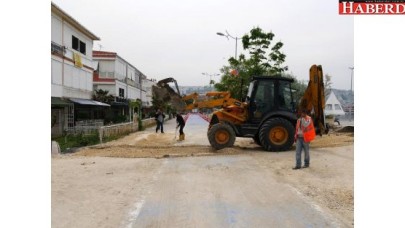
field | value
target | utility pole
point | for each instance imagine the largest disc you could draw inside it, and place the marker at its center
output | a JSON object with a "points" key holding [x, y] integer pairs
{"points": [[351, 89], [351, 79]]}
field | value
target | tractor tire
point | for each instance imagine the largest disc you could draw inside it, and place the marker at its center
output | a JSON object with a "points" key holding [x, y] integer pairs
{"points": [[257, 139], [276, 135], [221, 135]]}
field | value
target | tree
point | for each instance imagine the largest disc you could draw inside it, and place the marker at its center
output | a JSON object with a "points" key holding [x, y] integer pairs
{"points": [[103, 96], [264, 59], [158, 103], [137, 105], [328, 85]]}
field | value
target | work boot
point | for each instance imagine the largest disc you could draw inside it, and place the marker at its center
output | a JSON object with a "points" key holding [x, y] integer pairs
{"points": [[296, 167]]}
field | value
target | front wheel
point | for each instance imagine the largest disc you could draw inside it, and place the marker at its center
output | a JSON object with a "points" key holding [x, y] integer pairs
{"points": [[257, 139], [221, 135], [277, 135]]}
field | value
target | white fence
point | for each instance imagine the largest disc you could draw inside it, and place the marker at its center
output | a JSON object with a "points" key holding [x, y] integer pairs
{"points": [[123, 128], [116, 130]]}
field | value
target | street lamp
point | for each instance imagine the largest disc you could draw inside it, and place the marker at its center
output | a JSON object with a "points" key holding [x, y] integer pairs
{"points": [[211, 75], [351, 89], [351, 79], [235, 38]]}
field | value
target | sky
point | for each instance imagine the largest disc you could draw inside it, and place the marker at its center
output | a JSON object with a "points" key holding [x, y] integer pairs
{"points": [[178, 39]]}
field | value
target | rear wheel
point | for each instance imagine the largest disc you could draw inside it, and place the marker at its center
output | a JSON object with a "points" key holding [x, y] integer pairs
{"points": [[221, 135], [276, 135]]}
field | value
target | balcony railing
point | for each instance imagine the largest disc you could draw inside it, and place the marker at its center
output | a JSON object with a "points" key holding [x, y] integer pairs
{"points": [[106, 74], [121, 100], [57, 48]]}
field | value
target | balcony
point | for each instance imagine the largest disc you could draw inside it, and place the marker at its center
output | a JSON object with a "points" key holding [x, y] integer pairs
{"points": [[129, 81], [57, 49], [106, 74]]}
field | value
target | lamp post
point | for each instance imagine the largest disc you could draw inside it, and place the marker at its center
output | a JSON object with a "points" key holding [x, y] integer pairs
{"points": [[211, 75], [351, 89], [351, 79], [235, 38]]}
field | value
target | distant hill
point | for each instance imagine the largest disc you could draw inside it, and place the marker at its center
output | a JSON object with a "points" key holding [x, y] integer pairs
{"points": [[345, 97], [184, 90]]}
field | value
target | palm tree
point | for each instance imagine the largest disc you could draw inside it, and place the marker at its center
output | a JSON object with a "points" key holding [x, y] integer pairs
{"points": [[103, 96]]}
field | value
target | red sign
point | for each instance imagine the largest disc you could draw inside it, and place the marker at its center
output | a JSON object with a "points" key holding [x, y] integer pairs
{"points": [[372, 7], [234, 72]]}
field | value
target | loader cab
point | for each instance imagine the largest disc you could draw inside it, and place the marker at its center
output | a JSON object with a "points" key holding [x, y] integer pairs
{"points": [[269, 94]]}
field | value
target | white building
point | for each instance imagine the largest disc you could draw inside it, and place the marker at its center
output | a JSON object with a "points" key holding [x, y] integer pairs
{"points": [[72, 63], [333, 106], [120, 78], [147, 86], [71, 72], [117, 75]]}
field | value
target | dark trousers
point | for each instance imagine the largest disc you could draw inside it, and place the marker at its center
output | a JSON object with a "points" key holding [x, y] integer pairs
{"points": [[159, 125], [181, 130]]}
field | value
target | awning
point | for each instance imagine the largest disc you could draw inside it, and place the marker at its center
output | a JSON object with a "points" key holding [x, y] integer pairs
{"points": [[88, 102], [57, 101]]}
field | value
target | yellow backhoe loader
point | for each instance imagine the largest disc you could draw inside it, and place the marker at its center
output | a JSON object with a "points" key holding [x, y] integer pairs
{"points": [[268, 114]]}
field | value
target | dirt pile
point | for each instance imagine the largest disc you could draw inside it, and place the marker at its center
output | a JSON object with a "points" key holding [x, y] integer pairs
{"points": [[151, 145], [333, 140], [165, 94], [154, 151]]}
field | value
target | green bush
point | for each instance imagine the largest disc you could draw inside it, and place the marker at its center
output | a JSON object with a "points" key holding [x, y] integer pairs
{"points": [[120, 119], [77, 140]]}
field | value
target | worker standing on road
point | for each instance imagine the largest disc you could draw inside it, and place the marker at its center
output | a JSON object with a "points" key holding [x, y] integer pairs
{"points": [[180, 123], [159, 117], [304, 134]]}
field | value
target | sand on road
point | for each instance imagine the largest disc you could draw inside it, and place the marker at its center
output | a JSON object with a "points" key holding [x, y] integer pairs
{"points": [[112, 184]]}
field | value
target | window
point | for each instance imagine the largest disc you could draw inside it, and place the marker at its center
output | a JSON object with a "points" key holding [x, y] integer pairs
{"points": [[263, 100], [78, 45], [82, 47], [75, 43], [284, 97], [121, 92], [328, 107], [337, 107]]}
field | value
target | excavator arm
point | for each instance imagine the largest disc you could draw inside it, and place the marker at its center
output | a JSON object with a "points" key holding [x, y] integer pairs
{"points": [[163, 93], [163, 82], [212, 100], [314, 98]]}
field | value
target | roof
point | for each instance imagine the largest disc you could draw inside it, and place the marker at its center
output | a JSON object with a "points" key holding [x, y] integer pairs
{"points": [[333, 101], [104, 54], [88, 102], [272, 78], [58, 11], [114, 55]]}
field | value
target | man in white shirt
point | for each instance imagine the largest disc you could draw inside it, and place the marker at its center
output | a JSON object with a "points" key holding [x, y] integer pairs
{"points": [[303, 123]]}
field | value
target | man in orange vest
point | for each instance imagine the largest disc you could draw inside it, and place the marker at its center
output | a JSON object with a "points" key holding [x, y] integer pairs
{"points": [[304, 133]]}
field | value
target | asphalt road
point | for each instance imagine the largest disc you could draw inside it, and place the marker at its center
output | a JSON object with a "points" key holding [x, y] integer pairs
{"points": [[195, 131], [225, 191], [221, 191]]}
